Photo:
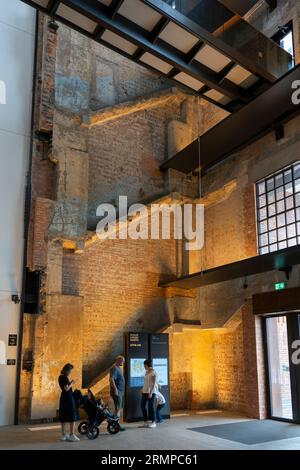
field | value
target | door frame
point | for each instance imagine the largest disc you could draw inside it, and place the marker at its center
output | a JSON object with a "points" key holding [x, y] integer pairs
{"points": [[293, 328]]}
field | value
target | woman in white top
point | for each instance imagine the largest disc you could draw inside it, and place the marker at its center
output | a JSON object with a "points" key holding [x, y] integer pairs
{"points": [[149, 391]]}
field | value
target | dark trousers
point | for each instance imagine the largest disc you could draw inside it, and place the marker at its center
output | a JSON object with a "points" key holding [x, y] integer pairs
{"points": [[148, 407], [158, 412]]}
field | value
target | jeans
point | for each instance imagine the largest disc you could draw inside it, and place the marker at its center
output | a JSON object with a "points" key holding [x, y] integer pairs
{"points": [[158, 412], [148, 407]]}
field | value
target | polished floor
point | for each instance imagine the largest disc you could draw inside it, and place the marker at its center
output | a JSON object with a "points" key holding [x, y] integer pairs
{"points": [[174, 434]]}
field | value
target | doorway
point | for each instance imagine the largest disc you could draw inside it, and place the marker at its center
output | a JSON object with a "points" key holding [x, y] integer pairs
{"points": [[283, 372]]}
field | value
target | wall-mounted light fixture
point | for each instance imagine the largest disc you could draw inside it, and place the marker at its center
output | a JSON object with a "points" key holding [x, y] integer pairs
{"points": [[16, 298]]}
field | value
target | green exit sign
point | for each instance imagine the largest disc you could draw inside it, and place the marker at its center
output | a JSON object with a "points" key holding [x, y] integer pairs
{"points": [[280, 285]]}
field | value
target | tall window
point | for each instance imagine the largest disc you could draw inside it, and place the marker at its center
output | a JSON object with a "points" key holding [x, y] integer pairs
{"points": [[285, 39], [278, 210]]}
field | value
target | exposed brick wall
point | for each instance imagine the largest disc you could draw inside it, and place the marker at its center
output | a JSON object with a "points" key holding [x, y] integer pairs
{"points": [[119, 283], [112, 286]]}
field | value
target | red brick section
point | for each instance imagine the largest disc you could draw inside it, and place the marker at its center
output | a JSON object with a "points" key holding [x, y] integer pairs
{"points": [[249, 221], [119, 282], [255, 399], [230, 369], [42, 170]]}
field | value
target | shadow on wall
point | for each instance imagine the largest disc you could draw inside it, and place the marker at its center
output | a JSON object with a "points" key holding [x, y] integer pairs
{"points": [[151, 318]]}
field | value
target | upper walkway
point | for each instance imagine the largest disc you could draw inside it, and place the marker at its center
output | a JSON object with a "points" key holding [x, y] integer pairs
{"points": [[201, 44]]}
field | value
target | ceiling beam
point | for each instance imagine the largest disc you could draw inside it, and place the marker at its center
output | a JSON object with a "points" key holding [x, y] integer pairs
{"points": [[272, 107], [277, 261], [128, 30]]}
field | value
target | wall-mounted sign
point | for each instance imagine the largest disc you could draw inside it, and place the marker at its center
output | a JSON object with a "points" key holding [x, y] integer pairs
{"points": [[12, 340], [11, 362], [280, 285]]}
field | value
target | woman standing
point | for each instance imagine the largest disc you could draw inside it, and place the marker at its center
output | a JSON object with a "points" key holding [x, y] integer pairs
{"points": [[149, 395], [67, 407]]}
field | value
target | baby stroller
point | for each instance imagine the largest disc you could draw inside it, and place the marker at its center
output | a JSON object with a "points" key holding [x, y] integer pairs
{"points": [[97, 413]]}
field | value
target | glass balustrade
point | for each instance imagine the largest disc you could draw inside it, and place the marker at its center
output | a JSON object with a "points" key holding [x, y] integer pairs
{"points": [[234, 31]]}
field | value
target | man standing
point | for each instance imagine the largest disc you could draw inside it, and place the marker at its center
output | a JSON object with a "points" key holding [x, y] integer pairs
{"points": [[117, 385]]}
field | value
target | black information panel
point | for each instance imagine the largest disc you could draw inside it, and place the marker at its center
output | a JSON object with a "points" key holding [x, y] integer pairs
{"points": [[141, 346], [137, 350], [159, 349]]}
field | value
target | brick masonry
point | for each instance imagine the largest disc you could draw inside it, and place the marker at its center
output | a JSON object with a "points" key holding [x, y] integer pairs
{"points": [[94, 293]]}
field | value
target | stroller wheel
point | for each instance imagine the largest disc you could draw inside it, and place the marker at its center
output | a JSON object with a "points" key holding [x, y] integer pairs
{"points": [[113, 427], [92, 432], [83, 428]]}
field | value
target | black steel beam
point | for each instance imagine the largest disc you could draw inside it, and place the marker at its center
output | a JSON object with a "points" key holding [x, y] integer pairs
{"points": [[128, 30], [254, 120], [280, 261]]}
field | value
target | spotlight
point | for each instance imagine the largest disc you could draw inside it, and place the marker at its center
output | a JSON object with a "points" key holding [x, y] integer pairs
{"points": [[15, 298]]}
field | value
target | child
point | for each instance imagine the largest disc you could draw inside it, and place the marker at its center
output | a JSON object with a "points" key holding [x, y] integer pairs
{"points": [[160, 402]]}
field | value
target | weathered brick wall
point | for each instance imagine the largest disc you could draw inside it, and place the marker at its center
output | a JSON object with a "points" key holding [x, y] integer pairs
{"points": [[112, 286], [119, 283]]}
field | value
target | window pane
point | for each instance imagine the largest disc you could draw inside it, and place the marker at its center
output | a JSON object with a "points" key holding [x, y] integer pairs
{"points": [[261, 188], [273, 247], [288, 176], [263, 239], [270, 184], [292, 242], [298, 213], [278, 180], [280, 220], [263, 226], [290, 217], [297, 199], [272, 223], [282, 245], [279, 193], [289, 189], [291, 231], [271, 197], [297, 171], [262, 214], [289, 202], [273, 236], [280, 206], [262, 201], [297, 185], [272, 210], [264, 250], [281, 234]]}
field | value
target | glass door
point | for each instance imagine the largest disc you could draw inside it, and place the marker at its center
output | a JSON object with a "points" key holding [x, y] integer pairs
{"points": [[283, 374], [279, 368]]}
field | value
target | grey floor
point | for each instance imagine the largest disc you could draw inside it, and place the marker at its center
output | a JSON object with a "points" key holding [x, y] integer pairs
{"points": [[173, 434]]}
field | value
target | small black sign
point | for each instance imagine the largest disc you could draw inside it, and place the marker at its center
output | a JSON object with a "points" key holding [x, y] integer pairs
{"points": [[12, 340], [11, 362]]}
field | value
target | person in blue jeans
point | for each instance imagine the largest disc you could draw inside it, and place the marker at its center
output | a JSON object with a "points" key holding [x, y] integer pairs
{"points": [[150, 388], [160, 403]]}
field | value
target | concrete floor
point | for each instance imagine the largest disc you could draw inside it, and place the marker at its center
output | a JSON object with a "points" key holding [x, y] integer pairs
{"points": [[173, 434]]}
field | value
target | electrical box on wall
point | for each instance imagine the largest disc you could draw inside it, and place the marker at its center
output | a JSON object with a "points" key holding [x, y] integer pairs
{"points": [[32, 292]]}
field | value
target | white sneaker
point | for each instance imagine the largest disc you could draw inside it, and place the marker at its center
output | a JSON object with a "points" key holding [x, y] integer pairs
{"points": [[65, 437], [73, 438], [152, 425]]}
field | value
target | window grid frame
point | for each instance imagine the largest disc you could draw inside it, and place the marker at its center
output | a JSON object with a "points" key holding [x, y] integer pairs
{"points": [[271, 246]]}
